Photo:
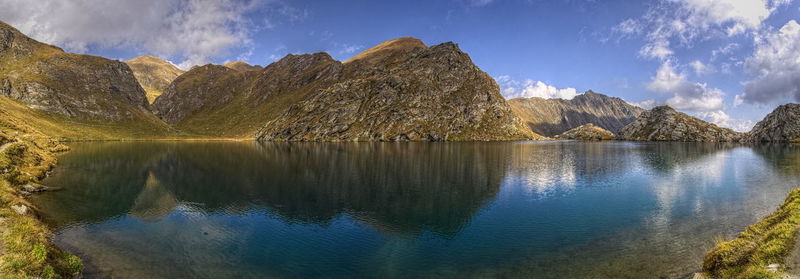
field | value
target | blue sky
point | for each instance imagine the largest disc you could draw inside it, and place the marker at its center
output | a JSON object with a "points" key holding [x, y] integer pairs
{"points": [[727, 61]]}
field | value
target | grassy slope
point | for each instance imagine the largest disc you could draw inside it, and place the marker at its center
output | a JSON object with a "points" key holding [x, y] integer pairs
{"points": [[766, 242], [53, 125], [237, 119], [26, 251]]}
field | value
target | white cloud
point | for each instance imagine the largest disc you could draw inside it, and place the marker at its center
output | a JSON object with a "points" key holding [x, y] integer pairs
{"points": [[723, 50], [628, 27], [701, 68], [722, 119], [194, 31], [647, 104], [775, 66], [674, 23], [529, 88], [688, 96]]}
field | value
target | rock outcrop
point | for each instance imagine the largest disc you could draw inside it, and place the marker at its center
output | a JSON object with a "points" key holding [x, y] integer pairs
{"points": [[219, 101], [587, 132], [73, 85], [402, 90], [154, 74], [82, 86], [781, 125], [551, 117], [665, 124], [242, 66]]}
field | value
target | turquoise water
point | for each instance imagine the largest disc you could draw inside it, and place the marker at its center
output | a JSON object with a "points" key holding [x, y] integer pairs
{"points": [[408, 210]]}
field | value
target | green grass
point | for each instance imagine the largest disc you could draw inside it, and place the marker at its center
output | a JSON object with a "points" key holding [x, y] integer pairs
{"points": [[25, 248], [766, 242], [17, 116]]}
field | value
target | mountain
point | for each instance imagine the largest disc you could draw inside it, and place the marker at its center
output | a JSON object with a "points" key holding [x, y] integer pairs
{"points": [[241, 66], [399, 90], [781, 125], [153, 73], [665, 124], [219, 101], [587, 132], [81, 86], [402, 90], [550, 117]]}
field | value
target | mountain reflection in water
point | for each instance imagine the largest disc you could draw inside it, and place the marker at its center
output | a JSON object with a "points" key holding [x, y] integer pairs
{"points": [[518, 209]]}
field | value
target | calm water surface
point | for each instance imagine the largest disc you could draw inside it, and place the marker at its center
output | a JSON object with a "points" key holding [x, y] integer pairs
{"points": [[408, 210]]}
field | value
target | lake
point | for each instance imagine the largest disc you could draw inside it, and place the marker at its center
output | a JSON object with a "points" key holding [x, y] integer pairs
{"points": [[556, 209]]}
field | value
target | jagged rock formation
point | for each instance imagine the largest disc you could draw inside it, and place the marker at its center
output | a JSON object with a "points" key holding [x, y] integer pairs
{"points": [[47, 78], [587, 132], [219, 101], [665, 124], [781, 125], [154, 74], [399, 90], [550, 117], [243, 67], [402, 90]]}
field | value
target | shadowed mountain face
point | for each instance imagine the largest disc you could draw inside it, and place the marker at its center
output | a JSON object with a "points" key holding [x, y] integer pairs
{"points": [[781, 125], [665, 124], [154, 74], [73, 85], [551, 117], [400, 90]]}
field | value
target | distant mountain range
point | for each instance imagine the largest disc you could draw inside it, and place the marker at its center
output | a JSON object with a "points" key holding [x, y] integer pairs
{"points": [[399, 90], [551, 117]]}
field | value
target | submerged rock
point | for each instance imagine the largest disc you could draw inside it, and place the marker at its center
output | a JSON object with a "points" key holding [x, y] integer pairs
{"points": [[665, 124]]}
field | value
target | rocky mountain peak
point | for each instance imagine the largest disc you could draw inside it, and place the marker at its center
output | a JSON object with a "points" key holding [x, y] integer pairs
{"points": [[551, 117], [387, 49], [154, 74], [73, 85], [664, 123], [781, 125], [403, 91]]}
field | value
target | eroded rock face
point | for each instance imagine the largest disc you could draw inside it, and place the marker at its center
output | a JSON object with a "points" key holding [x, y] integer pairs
{"points": [[551, 117], [403, 91], [69, 84], [665, 124], [154, 74], [587, 132], [781, 125], [202, 86]]}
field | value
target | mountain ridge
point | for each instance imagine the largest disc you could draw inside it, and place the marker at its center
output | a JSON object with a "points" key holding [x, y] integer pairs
{"points": [[551, 117], [154, 74], [664, 123]]}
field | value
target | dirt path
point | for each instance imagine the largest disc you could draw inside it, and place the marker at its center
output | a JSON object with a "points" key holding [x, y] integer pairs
{"points": [[5, 146], [793, 261]]}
